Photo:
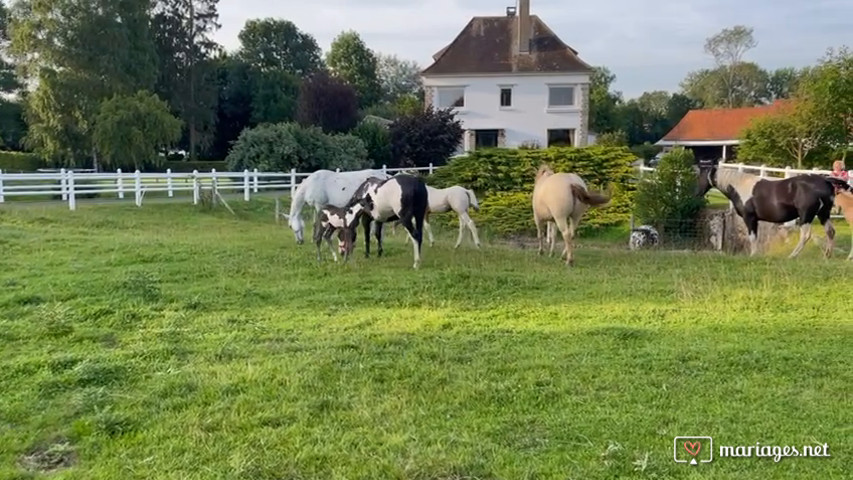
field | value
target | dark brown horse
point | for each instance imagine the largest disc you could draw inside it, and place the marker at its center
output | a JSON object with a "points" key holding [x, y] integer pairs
{"points": [[755, 199]]}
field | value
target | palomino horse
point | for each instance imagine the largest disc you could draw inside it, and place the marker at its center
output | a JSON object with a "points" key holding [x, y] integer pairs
{"points": [[344, 221], [562, 198], [325, 187], [844, 200], [456, 198], [778, 201], [401, 197]]}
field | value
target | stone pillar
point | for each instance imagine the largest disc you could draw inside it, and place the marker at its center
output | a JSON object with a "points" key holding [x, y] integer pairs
{"points": [[502, 138], [583, 132], [429, 97], [470, 140]]}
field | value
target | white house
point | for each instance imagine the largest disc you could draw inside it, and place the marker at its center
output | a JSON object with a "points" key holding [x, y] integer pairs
{"points": [[512, 81]]}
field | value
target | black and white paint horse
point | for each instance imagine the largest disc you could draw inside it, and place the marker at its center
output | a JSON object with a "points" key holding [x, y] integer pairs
{"points": [[800, 198], [344, 221], [643, 236], [403, 198]]}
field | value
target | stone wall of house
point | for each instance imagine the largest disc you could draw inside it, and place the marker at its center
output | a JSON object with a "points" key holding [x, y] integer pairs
{"points": [[583, 131]]}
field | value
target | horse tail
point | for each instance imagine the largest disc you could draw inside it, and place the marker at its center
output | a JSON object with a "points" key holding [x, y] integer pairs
{"points": [[473, 199], [587, 197]]}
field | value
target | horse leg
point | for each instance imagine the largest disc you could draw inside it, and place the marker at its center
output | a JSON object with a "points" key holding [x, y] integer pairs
{"points": [[473, 229], [379, 249], [805, 221], [417, 238], [563, 226], [429, 232], [750, 218], [331, 248], [552, 239], [365, 222], [463, 222], [538, 223], [824, 216]]}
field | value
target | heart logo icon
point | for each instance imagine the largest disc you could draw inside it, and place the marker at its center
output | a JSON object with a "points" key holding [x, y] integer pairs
{"points": [[692, 447]]}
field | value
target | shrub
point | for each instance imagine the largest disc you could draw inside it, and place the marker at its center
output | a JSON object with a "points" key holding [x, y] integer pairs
{"points": [[20, 162], [421, 138], [503, 180], [665, 198], [328, 102], [283, 146], [377, 141]]}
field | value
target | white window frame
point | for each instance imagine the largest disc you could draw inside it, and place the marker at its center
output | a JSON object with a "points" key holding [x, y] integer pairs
{"points": [[574, 104], [445, 90]]}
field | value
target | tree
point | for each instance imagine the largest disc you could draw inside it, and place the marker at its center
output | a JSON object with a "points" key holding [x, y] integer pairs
{"points": [[747, 86], [327, 102], [429, 136], [278, 45], [728, 48], [13, 128], [783, 82], [603, 104], [792, 133], [398, 77], [78, 54], [182, 30], [234, 102], [829, 86], [666, 197], [377, 140], [130, 129], [275, 96], [351, 60]]}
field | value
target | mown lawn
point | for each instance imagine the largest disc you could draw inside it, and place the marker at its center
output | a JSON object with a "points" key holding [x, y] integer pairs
{"points": [[169, 342]]}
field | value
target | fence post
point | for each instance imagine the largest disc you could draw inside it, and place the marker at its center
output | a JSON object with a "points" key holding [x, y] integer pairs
{"points": [[763, 171], [72, 201], [119, 183], [246, 184], [740, 167], [430, 168], [137, 188], [255, 181], [384, 169], [63, 184], [169, 182], [338, 170], [2, 197], [195, 187], [788, 171]]}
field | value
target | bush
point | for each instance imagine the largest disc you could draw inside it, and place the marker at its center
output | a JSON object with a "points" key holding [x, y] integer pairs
{"points": [[283, 146], [421, 138], [666, 198], [19, 162], [377, 140], [503, 181]]}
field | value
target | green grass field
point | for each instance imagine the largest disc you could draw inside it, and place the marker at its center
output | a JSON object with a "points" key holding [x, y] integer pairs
{"points": [[172, 342]]}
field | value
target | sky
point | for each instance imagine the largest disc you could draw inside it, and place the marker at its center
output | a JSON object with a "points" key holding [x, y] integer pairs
{"points": [[648, 44]]}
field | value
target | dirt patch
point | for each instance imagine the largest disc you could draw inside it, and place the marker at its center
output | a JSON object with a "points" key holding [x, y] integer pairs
{"points": [[49, 457]]}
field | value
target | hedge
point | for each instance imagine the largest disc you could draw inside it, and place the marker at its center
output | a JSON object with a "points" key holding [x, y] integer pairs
{"points": [[16, 162], [503, 180]]}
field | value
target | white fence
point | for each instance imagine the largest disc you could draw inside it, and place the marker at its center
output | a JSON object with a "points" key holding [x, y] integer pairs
{"points": [[69, 185]]}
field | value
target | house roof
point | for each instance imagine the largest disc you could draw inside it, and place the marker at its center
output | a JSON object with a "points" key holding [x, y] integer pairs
{"points": [[717, 126], [487, 45]]}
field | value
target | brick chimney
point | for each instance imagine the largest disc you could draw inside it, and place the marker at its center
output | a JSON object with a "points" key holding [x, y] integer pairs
{"points": [[523, 26]]}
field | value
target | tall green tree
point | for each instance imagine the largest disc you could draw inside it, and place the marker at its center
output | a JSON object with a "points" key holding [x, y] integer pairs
{"points": [[830, 87], [234, 102], [13, 128], [351, 60], [398, 77], [783, 82], [603, 103], [741, 85], [182, 34], [728, 47], [78, 53], [131, 129], [327, 102], [270, 44]]}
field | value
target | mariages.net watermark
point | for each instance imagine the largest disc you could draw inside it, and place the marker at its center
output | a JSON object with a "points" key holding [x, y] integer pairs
{"points": [[700, 449]]}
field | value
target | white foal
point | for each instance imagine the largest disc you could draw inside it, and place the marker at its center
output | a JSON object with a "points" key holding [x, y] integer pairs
{"points": [[456, 198]]}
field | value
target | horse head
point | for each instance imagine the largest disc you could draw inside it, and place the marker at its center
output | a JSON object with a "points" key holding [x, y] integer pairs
{"points": [[706, 180], [545, 170], [297, 225], [347, 235]]}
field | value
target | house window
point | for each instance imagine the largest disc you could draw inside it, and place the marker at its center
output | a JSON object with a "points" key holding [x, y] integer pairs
{"points": [[506, 97], [561, 96], [451, 97], [486, 138], [561, 137]]}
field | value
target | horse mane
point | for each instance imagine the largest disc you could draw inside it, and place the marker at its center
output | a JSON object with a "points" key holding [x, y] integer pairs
{"points": [[298, 200], [545, 170], [726, 177]]}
